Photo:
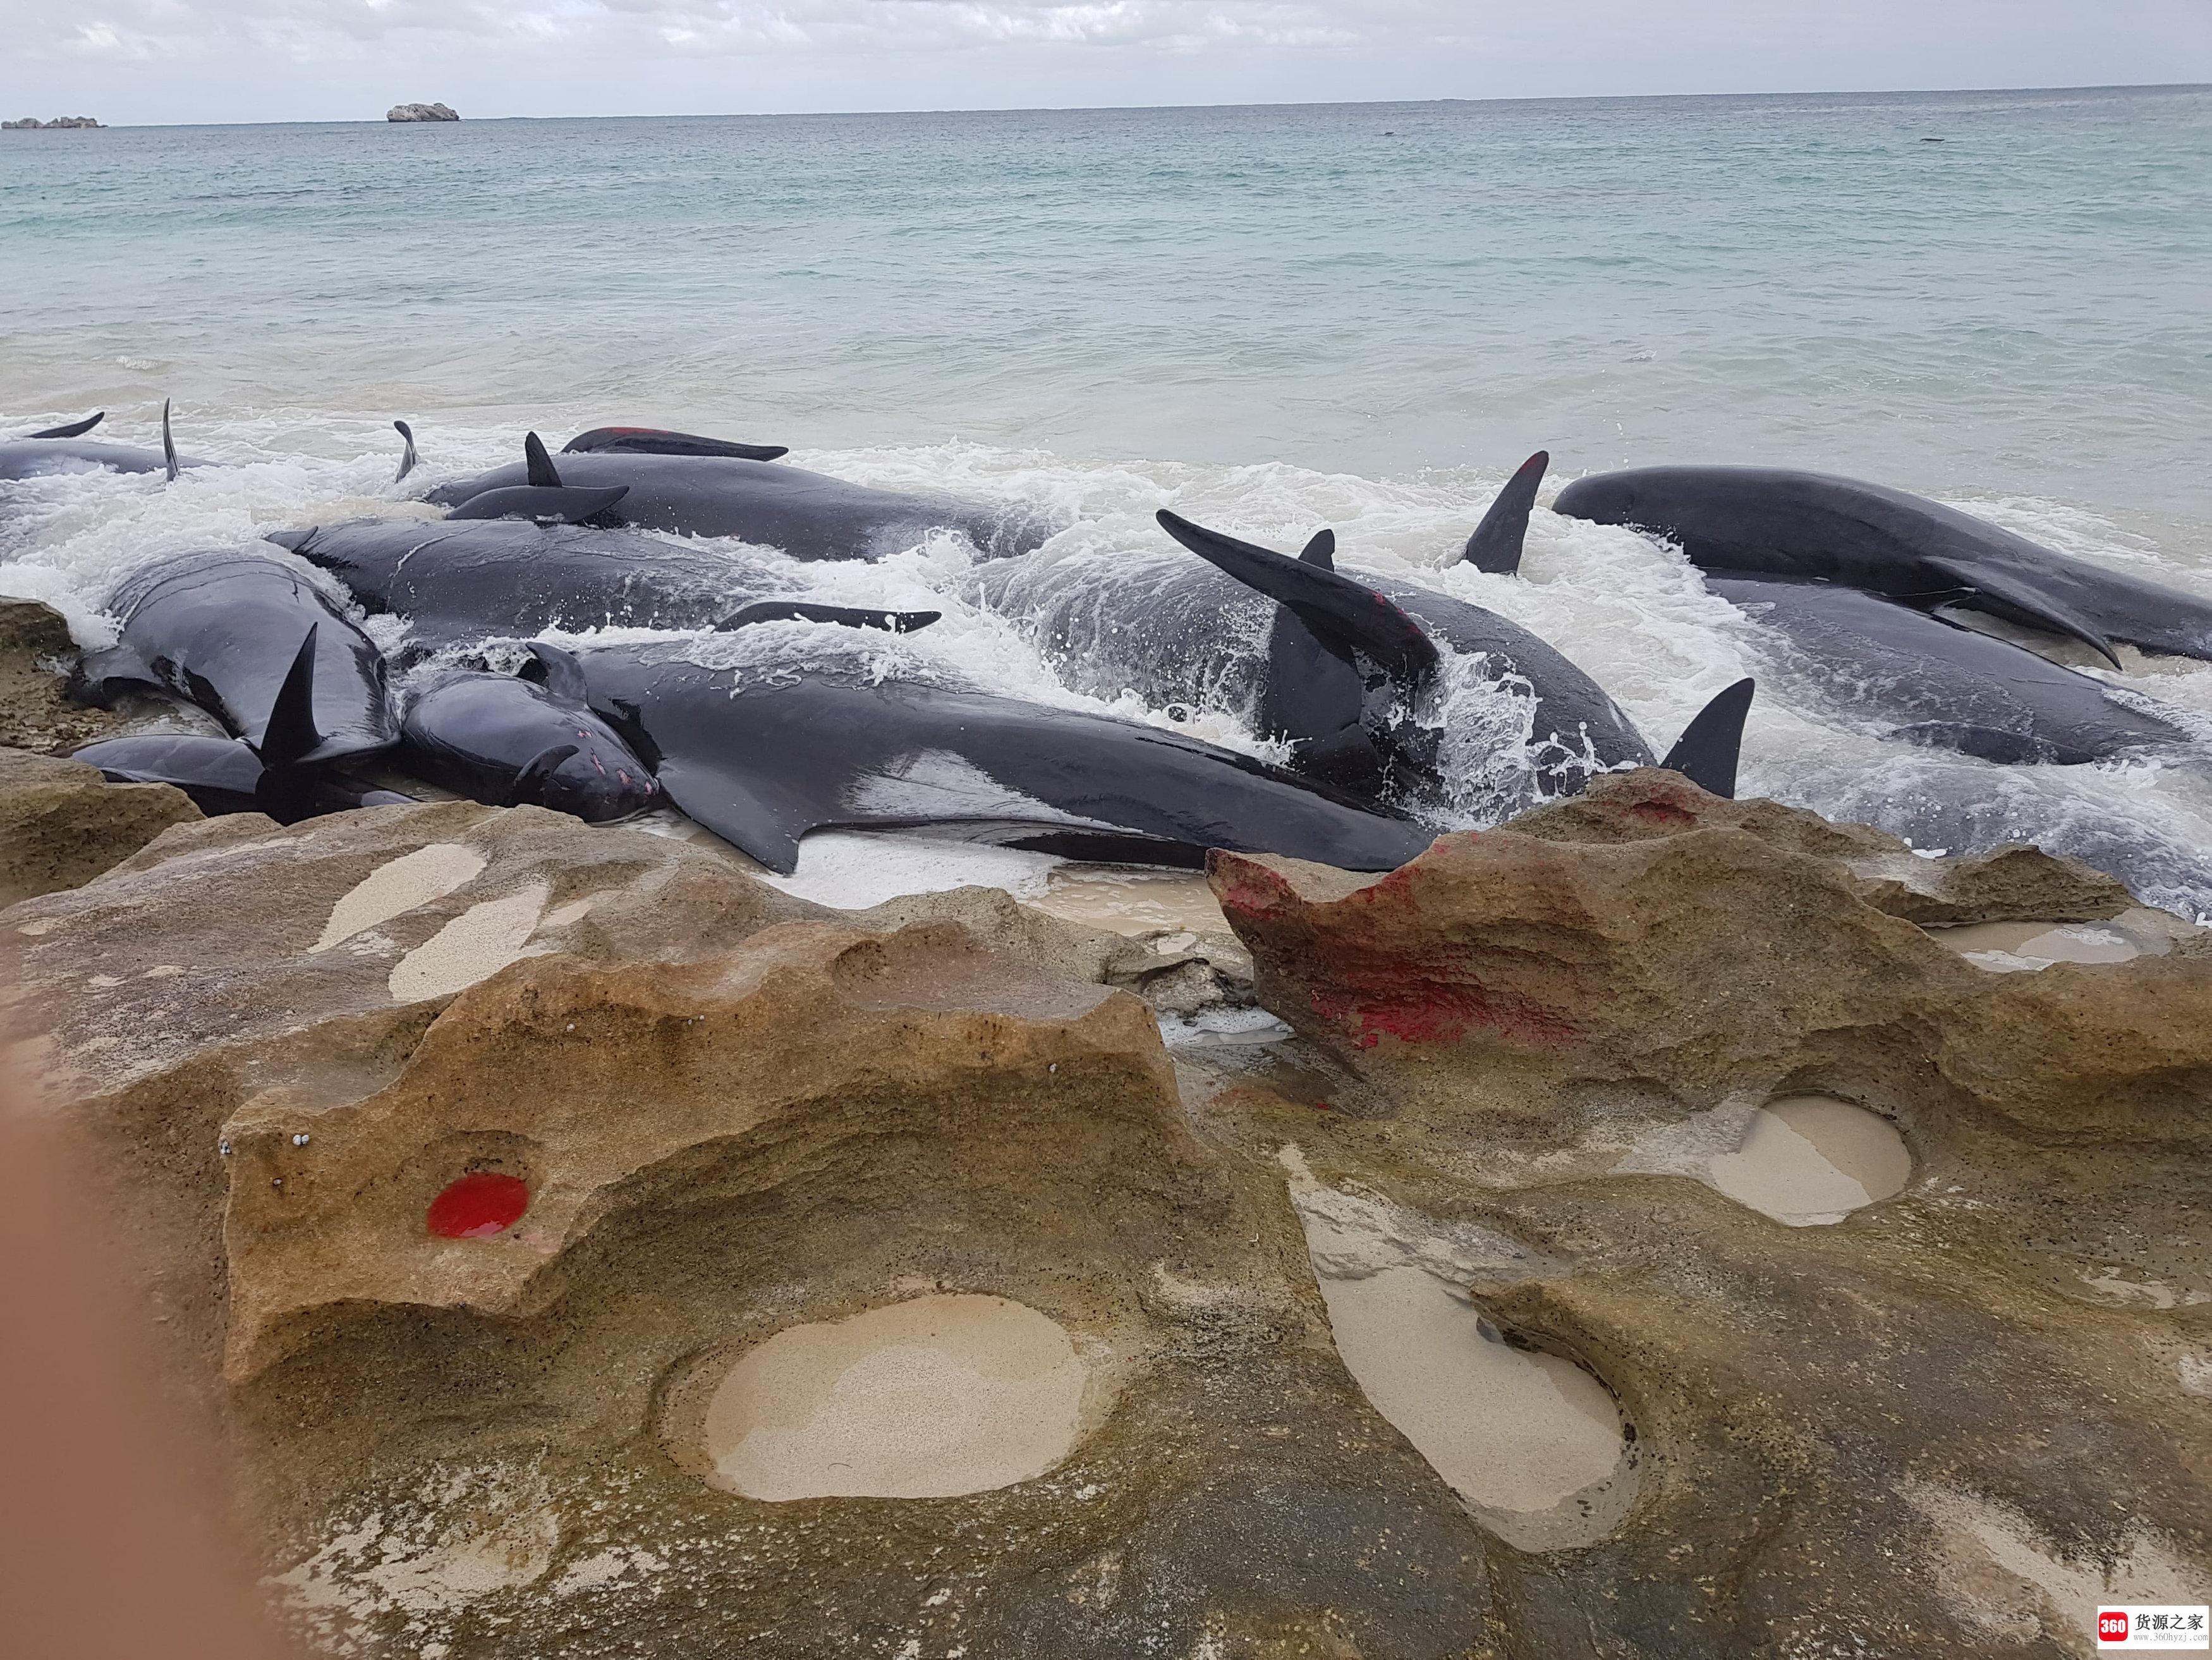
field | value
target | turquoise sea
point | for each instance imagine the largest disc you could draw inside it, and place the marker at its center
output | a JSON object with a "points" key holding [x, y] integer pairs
{"points": [[1277, 317]]}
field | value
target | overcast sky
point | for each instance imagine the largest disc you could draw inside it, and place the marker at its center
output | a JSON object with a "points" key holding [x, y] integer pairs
{"points": [[268, 60]]}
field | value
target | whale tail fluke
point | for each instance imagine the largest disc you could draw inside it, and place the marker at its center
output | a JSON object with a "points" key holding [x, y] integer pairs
{"points": [[406, 461], [2019, 601], [290, 736], [653, 441], [802, 611], [1497, 543], [548, 503], [74, 428], [169, 444], [1707, 751], [1346, 614]]}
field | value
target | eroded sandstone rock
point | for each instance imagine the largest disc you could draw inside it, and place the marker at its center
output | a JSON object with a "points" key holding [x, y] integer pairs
{"points": [[36, 653], [61, 823]]}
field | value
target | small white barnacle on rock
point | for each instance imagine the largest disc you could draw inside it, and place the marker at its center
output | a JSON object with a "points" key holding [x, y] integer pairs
{"points": [[299, 1140], [223, 1147]]}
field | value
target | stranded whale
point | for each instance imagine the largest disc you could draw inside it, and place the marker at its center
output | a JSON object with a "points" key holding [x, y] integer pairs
{"points": [[1946, 686], [684, 491], [1770, 521], [460, 581], [1345, 666], [507, 741], [223, 630], [839, 739], [64, 449]]}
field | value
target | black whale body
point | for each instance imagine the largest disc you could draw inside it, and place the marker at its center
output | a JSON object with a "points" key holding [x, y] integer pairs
{"points": [[808, 515], [222, 630], [1178, 631], [507, 741], [457, 581], [1946, 686], [832, 741], [1775, 522]]}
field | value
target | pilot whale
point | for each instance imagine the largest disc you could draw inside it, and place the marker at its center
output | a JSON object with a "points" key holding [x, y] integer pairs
{"points": [[1342, 663], [64, 449], [1773, 522], [1943, 686], [795, 737], [461, 581], [223, 630], [666, 481], [228, 774], [506, 741]]}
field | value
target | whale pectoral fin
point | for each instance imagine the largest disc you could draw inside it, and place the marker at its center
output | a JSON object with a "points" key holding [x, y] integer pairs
{"points": [[1345, 613], [801, 611], [539, 465], [2008, 596], [558, 672], [74, 428], [752, 815], [529, 786], [551, 503], [1320, 551], [653, 441], [169, 444], [407, 460], [1707, 751], [1497, 543], [290, 735]]}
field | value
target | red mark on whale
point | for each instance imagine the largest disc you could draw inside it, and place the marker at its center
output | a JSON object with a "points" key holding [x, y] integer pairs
{"points": [[479, 1206]]}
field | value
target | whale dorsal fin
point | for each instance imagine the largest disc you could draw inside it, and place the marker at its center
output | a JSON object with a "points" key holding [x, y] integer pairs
{"points": [[1707, 751], [564, 504], [1497, 543], [2008, 594], [542, 472], [652, 441], [529, 786], [74, 428], [557, 670], [407, 460], [169, 443], [1321, 550], [290, 736], [802, 611], [1342, 613]]}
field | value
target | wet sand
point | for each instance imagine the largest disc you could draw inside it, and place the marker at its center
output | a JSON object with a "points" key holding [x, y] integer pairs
{"points": [[1138, 902], [927, 1399], [1810, 1159], [2025, 947]]}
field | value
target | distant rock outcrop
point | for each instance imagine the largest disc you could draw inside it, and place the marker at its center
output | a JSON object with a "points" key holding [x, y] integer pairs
{"points": [[30, 122], [420, 112]]}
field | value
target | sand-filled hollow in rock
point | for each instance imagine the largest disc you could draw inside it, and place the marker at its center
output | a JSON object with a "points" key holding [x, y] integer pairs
{"points": [[1811, 1159], [927, 1399], [2026, 947]]}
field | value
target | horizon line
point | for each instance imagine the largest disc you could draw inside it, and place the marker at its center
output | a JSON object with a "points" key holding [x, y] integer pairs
{"points": [[1085, 109]]}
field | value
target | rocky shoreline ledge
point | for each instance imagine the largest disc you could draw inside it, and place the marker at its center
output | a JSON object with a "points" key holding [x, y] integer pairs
{"points": [[583, 1248]]}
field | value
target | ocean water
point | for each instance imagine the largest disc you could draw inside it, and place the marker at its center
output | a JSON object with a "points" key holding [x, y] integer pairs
{"points": [[1270, 319]]}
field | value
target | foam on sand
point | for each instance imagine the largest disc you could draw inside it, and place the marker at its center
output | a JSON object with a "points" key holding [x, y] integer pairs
{"points": [[927, 1399]]}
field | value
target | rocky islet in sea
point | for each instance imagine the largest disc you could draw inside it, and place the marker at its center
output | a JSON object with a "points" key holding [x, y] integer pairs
{"points": [[31, 123], [420, 112], [1644, 1229]]}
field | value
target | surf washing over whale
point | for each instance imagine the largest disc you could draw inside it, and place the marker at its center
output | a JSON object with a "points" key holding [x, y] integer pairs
{"points": [[1644, 641]]}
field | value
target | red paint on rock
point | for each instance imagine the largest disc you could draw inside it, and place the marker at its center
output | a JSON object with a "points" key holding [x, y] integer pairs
{"points": [[1414, 1011], [481, 1204], [1659, 812]]}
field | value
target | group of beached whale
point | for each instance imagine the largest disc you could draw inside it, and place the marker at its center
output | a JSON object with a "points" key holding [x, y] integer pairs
{"points": [[788, 731]]}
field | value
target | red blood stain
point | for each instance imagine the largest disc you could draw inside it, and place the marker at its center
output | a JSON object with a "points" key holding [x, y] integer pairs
{"points": [[479, 1206]]}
